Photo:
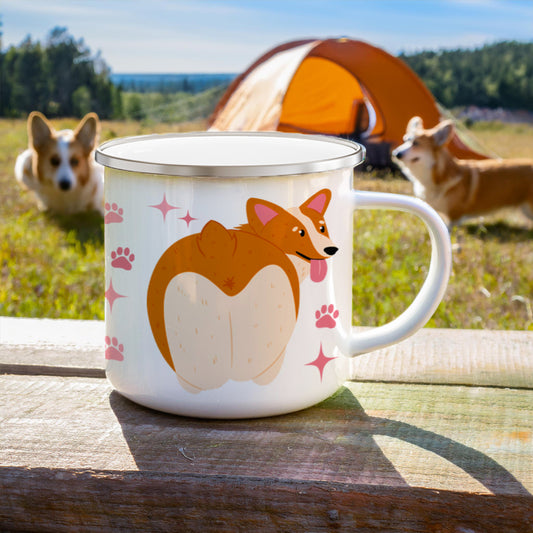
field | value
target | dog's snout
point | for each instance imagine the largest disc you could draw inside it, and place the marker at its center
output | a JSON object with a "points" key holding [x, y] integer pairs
{"points": [[65, 184], [397, 153], [331, 250]]}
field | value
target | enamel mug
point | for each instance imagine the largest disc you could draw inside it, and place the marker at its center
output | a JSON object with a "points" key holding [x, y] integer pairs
{"points": [[228, 284]]}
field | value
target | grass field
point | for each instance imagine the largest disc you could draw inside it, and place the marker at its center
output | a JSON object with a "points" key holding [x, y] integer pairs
{"points": [[52, 266]]}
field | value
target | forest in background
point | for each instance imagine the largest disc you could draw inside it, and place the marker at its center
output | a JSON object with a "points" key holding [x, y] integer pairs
{"points": [[496, 75], [62, 77]]}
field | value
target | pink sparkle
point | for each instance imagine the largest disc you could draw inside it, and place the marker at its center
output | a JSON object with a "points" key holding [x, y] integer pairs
{"points": [[111, 295], [164, 207], [188, 218], [321, 361]]}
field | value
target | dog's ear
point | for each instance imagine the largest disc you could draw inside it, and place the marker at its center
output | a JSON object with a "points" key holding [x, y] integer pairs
{"points": [[261, 212], [88, 131], [40, 131], [415, 124], [318, 202], [443, 132]]}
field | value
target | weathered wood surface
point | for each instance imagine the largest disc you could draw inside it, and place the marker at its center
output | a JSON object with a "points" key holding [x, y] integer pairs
{"points": [[440, 356], [452, 356], [51, 347], [378, 456]]}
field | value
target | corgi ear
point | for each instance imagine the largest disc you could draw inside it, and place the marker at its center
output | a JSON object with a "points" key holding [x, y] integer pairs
{"points": [[318, 202], [40, 131], [87, 132], [261, 212], [415, 124], [443, 132]]}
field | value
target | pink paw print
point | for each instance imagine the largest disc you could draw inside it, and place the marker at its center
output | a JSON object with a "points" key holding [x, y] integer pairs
{"points": [[114, 349], [113, 213], [122, 258], [326, 316]]}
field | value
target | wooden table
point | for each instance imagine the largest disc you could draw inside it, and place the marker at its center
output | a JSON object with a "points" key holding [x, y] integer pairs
{"points": [[434, 434]]}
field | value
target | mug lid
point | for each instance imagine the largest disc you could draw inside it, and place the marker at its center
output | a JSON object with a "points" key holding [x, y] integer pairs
{"points": [[230, 154]]}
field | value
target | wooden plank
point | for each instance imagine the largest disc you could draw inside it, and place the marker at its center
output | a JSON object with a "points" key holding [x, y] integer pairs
{"points": [[48, 361], [453, 356], [434, 437], [89, 501], [76, 455], [49, 332], [446, 356], [52, 347]]}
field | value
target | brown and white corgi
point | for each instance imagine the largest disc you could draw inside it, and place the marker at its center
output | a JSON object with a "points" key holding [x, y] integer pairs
{"points": [[461, 188], [223, 304], [59, 166]]}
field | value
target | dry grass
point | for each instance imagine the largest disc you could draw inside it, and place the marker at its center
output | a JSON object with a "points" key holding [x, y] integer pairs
{"points": [[492, 279], [53, 266]]}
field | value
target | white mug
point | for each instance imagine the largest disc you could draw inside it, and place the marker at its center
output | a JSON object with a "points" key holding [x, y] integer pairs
{"points": [[229, 270]]}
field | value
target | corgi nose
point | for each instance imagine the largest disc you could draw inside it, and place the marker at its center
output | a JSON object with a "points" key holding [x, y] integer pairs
{"points": [[331, 250], [397, 154], [65, 184]]}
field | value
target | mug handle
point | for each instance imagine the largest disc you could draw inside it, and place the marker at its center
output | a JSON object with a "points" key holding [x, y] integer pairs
{"points": [[432, 291]]}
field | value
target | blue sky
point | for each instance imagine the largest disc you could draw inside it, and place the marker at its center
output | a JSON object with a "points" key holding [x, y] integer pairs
{"points": [[228, 35]]}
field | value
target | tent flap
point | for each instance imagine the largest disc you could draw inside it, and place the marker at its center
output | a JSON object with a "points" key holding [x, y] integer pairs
{"points": [[322, 96]]}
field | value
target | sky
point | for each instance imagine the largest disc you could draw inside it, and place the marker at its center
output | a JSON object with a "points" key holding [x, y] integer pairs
{"points": [[208, 36]]}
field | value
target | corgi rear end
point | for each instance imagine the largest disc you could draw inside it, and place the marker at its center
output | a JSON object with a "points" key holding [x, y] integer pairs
{"points": [[223, 303]]}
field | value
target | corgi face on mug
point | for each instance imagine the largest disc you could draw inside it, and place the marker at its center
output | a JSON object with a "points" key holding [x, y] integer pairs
{"points": [[61, 159], [301, 232]]}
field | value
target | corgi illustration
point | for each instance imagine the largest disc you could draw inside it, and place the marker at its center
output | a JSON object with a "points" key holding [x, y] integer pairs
{"points": [[223, 304]]}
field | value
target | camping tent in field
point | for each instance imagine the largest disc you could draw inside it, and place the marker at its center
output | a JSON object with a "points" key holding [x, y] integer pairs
{"points": [[336, 87]]}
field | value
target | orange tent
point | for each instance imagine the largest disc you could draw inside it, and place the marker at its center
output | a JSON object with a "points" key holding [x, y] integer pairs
{"points": [[334, 86]]}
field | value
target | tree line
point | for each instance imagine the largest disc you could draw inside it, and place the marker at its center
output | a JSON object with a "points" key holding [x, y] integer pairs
{"points": [[496, 75], [61, 77]]}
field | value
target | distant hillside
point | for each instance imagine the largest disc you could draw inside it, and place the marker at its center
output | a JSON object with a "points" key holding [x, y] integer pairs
{"points": [[170, 83], [496, 75]]}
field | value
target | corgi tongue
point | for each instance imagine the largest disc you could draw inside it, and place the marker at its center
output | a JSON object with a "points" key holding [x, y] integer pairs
{"points": [[319, 269]]}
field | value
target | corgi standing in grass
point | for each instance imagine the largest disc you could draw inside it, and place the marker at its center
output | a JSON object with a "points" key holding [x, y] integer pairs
{"points": [[460, 188], [59, 166]]}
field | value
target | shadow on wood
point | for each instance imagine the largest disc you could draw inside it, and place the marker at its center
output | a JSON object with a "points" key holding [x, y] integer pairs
{"points": [[318, 468], [163, 442]]}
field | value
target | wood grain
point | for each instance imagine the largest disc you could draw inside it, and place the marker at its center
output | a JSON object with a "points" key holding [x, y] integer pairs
{"points": [[453, 356], [439, 356], [89, 501], [56, 422], [383, 454], [52, 347]]}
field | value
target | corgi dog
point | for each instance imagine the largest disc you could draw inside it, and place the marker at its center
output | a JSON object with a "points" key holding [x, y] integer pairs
{"points": [[59, 166], [460, 188], [222, 304]]}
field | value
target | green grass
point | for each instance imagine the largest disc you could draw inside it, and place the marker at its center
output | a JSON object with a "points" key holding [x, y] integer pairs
{"points": [[491, 285], [156, 108], [53, 266]]}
